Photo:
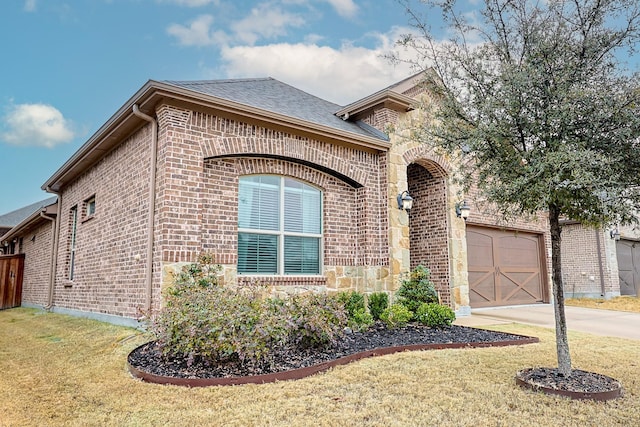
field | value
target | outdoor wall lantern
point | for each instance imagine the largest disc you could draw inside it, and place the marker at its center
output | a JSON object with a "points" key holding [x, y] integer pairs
{"points": [[405, 201], [463, 210], [614, 234]]}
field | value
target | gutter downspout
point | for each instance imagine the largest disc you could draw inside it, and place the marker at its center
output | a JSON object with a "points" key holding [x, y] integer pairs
{"points": [[152, 204], [599, 249], [54, 251]]}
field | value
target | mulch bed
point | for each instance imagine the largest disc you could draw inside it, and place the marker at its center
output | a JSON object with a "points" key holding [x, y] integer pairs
{"points": [[580, 385], [148, 357]]}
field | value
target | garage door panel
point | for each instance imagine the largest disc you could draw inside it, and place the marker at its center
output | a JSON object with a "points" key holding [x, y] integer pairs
{"points": [[483, 292], [518, 251], [479, 249], [504, 267], [628, 255]]}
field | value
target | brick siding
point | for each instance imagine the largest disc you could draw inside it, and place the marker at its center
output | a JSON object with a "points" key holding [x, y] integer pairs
{"points": [[36, 246]]}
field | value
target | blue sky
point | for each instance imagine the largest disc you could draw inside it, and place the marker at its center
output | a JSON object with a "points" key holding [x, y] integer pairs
{"points": [[68, 65]]}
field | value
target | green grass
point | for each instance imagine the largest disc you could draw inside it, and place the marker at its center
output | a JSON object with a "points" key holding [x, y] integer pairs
{"points": [[62, 371]]}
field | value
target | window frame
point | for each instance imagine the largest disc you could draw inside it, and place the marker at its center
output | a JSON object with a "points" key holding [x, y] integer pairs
{"points": [[89, 208], [72, 242], [281, 233]]}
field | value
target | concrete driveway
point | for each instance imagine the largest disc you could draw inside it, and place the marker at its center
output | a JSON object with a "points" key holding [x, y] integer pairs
{"points": [[594, 321]]}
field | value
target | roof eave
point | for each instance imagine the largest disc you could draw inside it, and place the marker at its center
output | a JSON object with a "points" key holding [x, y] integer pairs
{"points": [[124, 122], [26, 223], [385, 97]]}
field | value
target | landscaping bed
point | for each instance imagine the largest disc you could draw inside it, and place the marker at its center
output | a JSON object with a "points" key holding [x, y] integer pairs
{"points": [[377, 340]]}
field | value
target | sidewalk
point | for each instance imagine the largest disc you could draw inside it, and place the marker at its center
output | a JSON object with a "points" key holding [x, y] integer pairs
{"points": [[594, 321]]}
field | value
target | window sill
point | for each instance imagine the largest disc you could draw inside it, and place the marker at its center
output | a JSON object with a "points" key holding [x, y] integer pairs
{"points": [[316, 280], [87, 218]]}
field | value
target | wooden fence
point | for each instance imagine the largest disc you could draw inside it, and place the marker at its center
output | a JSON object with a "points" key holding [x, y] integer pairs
{"points": [[11, 271]]}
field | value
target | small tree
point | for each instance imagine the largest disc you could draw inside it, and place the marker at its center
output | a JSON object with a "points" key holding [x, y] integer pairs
{"points": [[534, 101]]}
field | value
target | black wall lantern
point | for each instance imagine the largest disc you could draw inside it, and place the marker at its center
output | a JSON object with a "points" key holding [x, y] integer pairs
{"points": [[405, 201], [463, 210]]}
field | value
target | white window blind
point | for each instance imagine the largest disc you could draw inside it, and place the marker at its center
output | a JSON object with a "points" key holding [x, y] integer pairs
{"points": [[279, 226]]}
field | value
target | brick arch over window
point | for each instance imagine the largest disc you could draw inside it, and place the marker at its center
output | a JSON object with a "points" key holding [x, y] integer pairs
{"points": [[336, 160], [346, 236], [437, 165]]}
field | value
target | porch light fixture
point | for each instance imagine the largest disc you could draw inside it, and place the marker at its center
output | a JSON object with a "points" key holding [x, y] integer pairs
{"points": [[614, 234], [405, 201], [463, 210]]}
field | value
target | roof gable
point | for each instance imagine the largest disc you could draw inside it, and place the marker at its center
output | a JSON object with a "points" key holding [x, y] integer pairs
{"points": [[277, 97]]}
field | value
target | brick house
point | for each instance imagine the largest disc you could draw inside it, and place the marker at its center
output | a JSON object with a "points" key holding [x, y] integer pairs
{"points": [[282, 187]]}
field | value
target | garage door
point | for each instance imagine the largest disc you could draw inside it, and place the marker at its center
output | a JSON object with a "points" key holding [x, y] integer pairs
{"points": [[505, 267], [628, 254]]}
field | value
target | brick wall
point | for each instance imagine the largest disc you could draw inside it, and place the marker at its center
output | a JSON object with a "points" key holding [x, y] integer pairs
{"points": [[203, 157], [428, 227], [585, 263], [36, 246], [110, 255]]}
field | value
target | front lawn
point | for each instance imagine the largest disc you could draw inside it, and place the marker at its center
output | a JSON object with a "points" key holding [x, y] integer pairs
{"points": [[61, 370], [624, 303]]}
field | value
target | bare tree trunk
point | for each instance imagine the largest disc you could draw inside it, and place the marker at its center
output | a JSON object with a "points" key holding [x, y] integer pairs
{"points": [[562, 342]]}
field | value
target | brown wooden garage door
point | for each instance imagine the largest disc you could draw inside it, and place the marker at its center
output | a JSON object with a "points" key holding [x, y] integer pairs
{"points": [[505, 267], [628, 254]]}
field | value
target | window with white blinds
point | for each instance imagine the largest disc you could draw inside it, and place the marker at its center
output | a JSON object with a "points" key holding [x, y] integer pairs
{"points": [[279, 226]]}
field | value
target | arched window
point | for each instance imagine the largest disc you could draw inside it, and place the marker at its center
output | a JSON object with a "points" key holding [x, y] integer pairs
{"points": [[279, 226]]}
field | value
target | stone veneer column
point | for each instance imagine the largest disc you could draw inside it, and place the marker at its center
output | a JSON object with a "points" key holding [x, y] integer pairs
{"points": [[398, 219], [459, 268]]}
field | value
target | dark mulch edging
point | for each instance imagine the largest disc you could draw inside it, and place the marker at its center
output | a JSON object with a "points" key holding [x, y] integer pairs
{"points": [[580, 385], [147, 362]]}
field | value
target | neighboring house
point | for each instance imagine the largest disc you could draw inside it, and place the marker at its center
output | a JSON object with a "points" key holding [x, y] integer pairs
{"points": [[11, 219], [283, 188], [600, 263], [28, 233]]}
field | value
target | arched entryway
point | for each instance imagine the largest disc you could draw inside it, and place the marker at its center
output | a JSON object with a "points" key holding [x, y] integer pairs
{"points": [[428, 228]]}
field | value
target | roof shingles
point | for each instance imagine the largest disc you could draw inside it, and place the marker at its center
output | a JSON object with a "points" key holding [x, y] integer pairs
{"points": [[276, 97]]}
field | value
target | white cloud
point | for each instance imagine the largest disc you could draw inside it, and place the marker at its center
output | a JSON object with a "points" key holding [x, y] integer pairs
{"points": [[198, 33], [30, 5], [341, 75], [266, 22], [36, 125], [345, 8]]}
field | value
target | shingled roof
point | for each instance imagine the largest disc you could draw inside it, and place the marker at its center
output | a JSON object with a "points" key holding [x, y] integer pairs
{"points": [[13, 218], [277, 97]]}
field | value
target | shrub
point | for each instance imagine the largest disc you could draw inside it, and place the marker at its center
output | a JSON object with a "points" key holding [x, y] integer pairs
{"points": [[435, 315], [418, 289], [378, 302], [354, 304], [317, 320], [361, 320], [352, 301], [201, 320], [396, 315]]}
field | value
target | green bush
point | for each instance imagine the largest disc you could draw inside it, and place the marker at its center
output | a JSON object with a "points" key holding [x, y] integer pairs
{"points": [[362, 320], [354, 304], [352, 301], [418, 289], [378, 302], [435, 315], [202, 320], [396, 315]]}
